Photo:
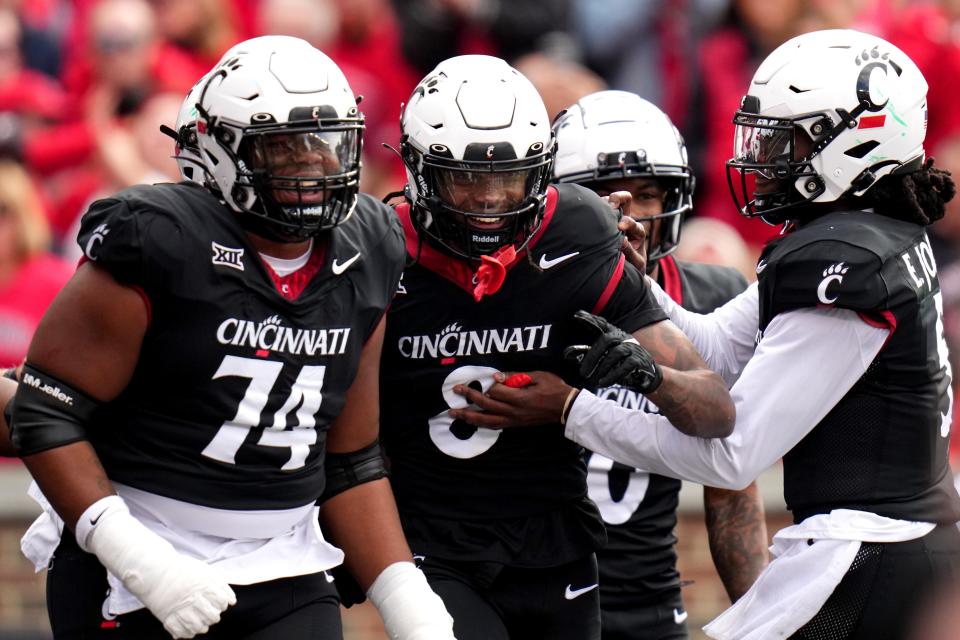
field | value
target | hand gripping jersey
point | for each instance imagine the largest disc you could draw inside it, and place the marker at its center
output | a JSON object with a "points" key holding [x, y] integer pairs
{"points": [[883, 447], [516, 496], [236, 385], [639, 562]]}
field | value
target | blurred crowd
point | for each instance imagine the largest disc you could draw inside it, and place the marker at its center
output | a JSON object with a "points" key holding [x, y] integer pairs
{"points": [[85, 84]]}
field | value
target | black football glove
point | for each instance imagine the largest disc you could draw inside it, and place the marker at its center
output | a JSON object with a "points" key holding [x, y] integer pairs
{"points": [[615, 357]]}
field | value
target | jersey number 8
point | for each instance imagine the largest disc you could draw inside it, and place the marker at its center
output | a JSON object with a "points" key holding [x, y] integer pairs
{"points": [[472, 441]]}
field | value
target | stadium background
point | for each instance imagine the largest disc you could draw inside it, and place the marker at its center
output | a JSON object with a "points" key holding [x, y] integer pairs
{"points": [[84, 85]]}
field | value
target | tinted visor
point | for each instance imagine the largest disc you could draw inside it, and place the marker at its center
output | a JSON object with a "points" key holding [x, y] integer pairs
{"points": [[766, 165], [762, 143]]}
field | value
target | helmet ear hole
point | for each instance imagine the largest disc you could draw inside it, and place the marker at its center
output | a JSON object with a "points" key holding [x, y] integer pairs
{"points": [[239, 196], [813, 185], [820, 128]]}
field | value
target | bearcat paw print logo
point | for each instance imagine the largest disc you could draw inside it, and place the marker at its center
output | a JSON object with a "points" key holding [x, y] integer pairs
{"points": [[832, 274], [272, 320], [838, 268], [876, 82], [451, 328]]}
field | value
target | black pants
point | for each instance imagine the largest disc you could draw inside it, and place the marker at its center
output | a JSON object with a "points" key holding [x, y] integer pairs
{"points": [[490, 601], [298, 608], [885, 587], [665, 619]]}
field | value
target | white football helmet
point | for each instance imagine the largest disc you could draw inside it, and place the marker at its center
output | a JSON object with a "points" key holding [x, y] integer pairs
{"points": [[611, 135], [860, 106], [477, 146], [280, 135]]}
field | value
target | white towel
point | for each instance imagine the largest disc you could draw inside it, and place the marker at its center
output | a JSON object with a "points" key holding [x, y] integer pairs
{"points": [[809, 561], [263, 553], [43, 536]]}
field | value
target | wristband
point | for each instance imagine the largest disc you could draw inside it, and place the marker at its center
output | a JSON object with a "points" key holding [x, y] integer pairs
{"points": [[568, 405]]}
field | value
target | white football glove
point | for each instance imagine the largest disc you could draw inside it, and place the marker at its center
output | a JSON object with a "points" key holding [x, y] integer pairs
{"points": [[409, 607], [185, 594]]}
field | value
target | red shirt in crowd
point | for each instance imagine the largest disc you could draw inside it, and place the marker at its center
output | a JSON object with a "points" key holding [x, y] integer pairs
{"points": [[23, 302]]}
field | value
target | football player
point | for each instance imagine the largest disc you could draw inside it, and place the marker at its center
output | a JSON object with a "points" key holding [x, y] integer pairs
{"points": [[499, 262], [838, 351], [613, 141], [210, 374]]}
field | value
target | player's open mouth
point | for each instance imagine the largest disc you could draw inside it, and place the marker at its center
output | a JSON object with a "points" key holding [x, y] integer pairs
{"points": [[487, 224], [309, 201]]}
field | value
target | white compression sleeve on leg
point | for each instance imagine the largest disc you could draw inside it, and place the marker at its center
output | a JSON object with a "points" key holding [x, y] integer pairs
{"points": [[185, 594], [409, 607]]}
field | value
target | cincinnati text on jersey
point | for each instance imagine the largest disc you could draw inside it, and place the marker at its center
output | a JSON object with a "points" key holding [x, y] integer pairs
{"points": [[270, 335], [453, 342], [627, 398]]}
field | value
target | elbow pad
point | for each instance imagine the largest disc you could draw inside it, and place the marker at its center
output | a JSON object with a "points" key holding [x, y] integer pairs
{"points": [[48, 413], [347, 470]]}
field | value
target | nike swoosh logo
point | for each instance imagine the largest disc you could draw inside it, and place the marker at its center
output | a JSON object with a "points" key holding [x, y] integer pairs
{"points": [[546, 264], [94, 521], [761, 265], [679, 616], [339, 268], [572, 593]]}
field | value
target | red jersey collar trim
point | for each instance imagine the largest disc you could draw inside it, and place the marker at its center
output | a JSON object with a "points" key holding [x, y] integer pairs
{"points": [[292, 285], [458, 271]]}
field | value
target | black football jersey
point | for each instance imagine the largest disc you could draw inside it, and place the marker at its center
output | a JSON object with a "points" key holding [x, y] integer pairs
{"points": [[883, 447], [512, 496], [236, 385], [639, 562]]}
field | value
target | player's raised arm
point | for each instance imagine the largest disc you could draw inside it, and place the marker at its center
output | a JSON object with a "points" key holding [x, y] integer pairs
{"points": [[657, 361]]}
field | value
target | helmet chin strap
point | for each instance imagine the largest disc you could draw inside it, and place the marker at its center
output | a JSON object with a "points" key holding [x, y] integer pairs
{"points": [[493, 270]]}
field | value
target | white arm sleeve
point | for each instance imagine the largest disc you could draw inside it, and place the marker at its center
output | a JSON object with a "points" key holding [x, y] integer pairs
{"points": [[807, 361], [726, 338]]}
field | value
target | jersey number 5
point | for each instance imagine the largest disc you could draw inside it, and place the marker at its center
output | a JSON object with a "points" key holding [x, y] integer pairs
{"points": [[305, 397]]}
